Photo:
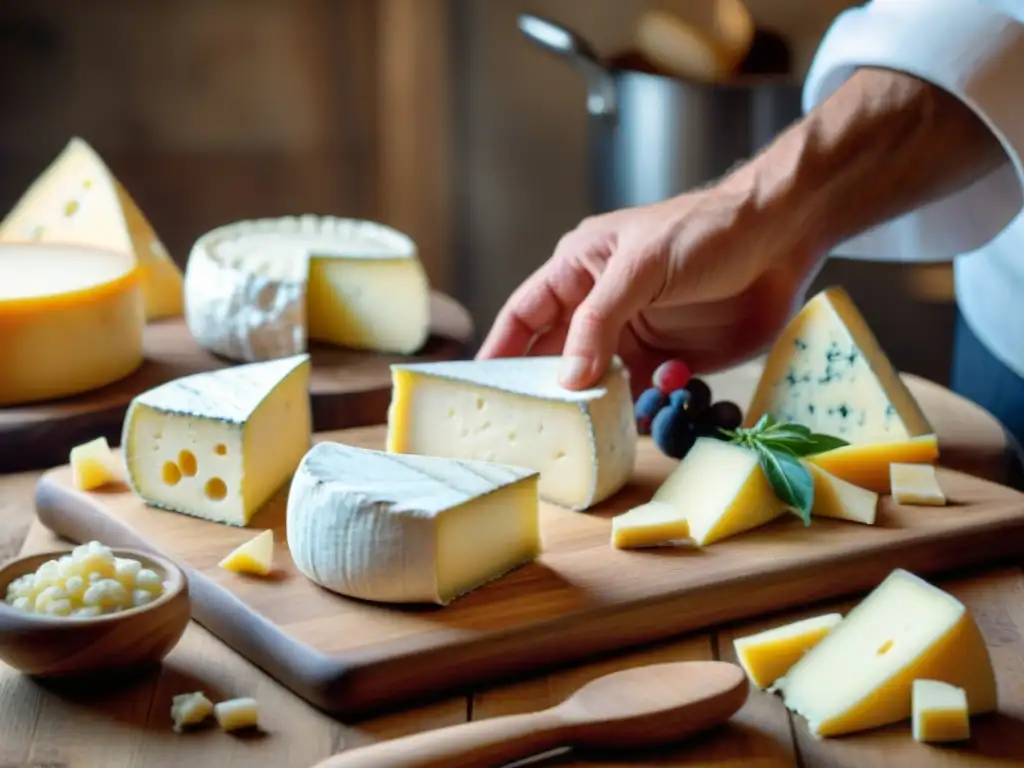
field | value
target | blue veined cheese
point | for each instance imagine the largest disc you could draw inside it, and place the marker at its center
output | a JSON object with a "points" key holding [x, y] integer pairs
{"points": [[219, 444], [514, 411], [408, 529]]}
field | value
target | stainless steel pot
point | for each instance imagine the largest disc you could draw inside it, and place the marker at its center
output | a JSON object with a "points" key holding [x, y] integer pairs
{"points": [[653, 136]]}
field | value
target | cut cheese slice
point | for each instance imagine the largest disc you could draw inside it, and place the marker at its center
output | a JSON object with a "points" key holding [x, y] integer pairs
{"points": [[839, 499], [721, 490], [768, 655], [78, 200], [514, 411], [860, 676], [254, 556], [218, 445], [257, 290], [71, 320], [408, 529], [828, 372], [916, 484], [940, 712], [649, 525], [93, 465]]}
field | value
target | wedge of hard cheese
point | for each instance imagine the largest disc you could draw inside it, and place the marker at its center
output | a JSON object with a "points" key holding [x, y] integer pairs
{"points": [[767, 656]]}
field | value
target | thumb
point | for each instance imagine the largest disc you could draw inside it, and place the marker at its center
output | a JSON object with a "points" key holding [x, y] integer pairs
{"points": [[628, 285]]}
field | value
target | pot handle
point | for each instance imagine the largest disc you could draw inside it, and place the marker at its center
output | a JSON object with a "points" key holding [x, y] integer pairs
{"points": [[573, 48]]}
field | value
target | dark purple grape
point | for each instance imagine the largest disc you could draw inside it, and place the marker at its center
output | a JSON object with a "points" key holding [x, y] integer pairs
{"points": [[673, 432], [700, 396], [647, 406], [726, 414], [704, 423]]}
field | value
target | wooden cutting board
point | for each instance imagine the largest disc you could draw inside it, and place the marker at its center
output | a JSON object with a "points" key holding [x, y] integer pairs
{"points": [[348, 388]]}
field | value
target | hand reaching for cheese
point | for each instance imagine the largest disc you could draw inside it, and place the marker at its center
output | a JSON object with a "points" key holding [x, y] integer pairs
{"points": [[704, 277]]}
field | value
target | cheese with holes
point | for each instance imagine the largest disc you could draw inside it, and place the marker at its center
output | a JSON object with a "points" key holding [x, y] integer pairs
{"points": [[767, 656], [861, 675], [71, 320], [721, 490], [219, 444], [78, 200], [254, 556], [828, 372], [408, 529], [257, 290], [916, 484], [940, 712], [836, 498], [649, 525], [514, 411], [93, 465]]}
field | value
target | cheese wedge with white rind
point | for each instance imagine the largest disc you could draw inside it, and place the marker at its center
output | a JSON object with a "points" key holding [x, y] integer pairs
{"points": [[254, 556], [721, 490], [93, 465], [258, 290], [916, 484], [71, 320], [514, 411], [861, 675], [649, 525], [828, 372], [940, 712], [408, 529], [218, 445], [767, 656], [78, 200], [836, 498]]}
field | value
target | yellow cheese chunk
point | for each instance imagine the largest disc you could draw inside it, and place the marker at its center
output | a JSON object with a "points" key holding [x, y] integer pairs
{"points": [[254, 556], [93, 465], [189, 709], [861, 675], [721, 491], [940, 712], [78, 200], [768, 655], [867, 466], [916, 484], [237, 714], [649, 525], [839, 499], [71, 320]]}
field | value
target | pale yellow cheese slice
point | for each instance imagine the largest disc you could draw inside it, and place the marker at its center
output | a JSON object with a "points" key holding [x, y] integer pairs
{"points": [[916, 484], [940, 712], [93, 465], [254, 556], [649, 525], [836, 498], [767, 656]]}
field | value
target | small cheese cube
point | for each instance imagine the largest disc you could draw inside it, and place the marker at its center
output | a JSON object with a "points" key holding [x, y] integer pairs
{"points": [[940, 712], [916, 484], [649, 525], [254, 556], [236, 714], [188, 709], [768, 655], [93, 465]]}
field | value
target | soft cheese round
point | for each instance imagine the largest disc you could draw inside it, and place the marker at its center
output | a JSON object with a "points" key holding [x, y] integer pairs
{"points": [[246, 283]]}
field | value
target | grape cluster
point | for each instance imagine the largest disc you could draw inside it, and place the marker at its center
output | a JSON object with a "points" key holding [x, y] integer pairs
{"points": [[679, 408]]}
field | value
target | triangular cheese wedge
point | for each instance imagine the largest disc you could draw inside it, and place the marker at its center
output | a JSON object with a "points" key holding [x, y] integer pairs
{"points": [[861, 675], [649, 525], [219, 444], [93, 465], [78, 200], [834, 497], [828, 372], [254, 556], [767, 656]]}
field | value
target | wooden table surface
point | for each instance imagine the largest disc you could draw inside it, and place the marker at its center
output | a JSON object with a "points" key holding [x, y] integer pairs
{"points": [[48, 727]]}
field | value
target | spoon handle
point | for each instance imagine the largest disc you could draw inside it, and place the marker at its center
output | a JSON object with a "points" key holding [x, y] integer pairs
{"points": [[491, 742]]}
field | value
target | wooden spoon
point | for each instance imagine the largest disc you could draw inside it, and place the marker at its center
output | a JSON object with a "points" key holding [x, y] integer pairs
{"points": [[640, 707]]}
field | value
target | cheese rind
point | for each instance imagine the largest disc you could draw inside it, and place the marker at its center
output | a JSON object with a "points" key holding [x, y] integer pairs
{"points": [[258, 290], [514, 411], [721, 490], [77, 200], [408, 529], [836, 498], [254, 556], [219, 444], [93, 465], [940, 712], [767, 656], [71, 320], [860, 676], [649, 525], [916, 484]]}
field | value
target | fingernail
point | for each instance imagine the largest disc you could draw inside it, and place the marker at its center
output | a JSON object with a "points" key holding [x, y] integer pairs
{"points": [[573, 370]]}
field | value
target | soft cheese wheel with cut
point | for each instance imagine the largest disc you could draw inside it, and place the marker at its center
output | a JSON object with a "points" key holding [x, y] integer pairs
{"points": [[258, 290], [71, 320]]}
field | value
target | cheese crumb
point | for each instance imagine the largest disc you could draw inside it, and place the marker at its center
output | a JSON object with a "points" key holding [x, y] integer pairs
{"points": [[236, 714], [189, 709]]}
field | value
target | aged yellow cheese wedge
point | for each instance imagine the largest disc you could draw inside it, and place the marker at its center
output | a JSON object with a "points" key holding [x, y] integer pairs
{"points": [[861, 675], [916, 484], [71, 320], [649, 525], [721, 491], [93, 465], [839, 499], [768, 655], [254, 556], [940, 712], [828, 372], [78, 200]]}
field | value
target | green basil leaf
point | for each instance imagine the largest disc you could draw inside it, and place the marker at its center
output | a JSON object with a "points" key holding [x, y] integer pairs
{"points": [[765, 422], [790, 480], [789, 426], [821, 443], [794, 444]]}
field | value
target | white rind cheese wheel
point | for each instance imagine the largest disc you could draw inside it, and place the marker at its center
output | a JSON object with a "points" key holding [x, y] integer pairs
{"points": [[71, 320], [258, 290]]}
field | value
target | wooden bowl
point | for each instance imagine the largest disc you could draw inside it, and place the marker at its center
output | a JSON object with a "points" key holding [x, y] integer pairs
{"points": [[61, 647]]}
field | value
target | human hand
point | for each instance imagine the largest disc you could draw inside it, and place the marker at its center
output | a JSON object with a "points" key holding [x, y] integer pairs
{"points": [[709, 277]]}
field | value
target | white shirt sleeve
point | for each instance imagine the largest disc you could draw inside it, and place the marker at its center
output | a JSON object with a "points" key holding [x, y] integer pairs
{"points": [[970, 49]]}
